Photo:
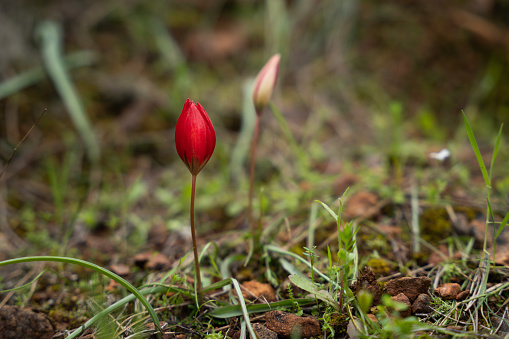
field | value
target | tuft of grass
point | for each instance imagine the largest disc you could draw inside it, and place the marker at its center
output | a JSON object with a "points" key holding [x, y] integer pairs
{"points": [[479, 287]]}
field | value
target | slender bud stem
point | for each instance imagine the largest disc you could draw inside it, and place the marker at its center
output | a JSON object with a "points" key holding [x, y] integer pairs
{"points": [[195, 248], [251, 175]]}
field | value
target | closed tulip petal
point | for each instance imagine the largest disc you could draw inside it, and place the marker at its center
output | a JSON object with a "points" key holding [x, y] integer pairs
{"points": [[195, 138], [265, 82]]}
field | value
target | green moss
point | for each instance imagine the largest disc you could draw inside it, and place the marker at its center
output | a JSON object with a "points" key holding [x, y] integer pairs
{"points": [[435, 224], [379, 266]]}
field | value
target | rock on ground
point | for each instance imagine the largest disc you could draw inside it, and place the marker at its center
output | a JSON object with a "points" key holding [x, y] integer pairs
{"points": [[448, 291], [422, 304], [257, 290]]}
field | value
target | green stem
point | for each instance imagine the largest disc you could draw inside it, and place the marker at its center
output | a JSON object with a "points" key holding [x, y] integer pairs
{"points": [[195, 248], [486, 230], [251, 176], [99, 269]]}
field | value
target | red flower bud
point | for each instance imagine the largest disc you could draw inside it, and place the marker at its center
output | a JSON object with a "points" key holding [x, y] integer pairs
{"points": [[265, 82], [195, 137]]}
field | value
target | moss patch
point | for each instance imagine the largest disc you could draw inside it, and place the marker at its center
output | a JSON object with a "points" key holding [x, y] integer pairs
{"points": [[435, 225]]}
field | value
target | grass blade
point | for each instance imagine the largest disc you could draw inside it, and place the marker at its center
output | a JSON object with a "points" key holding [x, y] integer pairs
{"points": [[235, 310], [308, 286], [473, 143], [502, 225], [24, 285], [302, 260], [334, 215], [243, 308], [242, 329]]}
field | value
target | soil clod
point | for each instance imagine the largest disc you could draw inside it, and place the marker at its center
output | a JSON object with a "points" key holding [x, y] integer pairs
{"points": [[402, 298], [288, 324], [448, 291], [256, 290], [411, 287], [462, 295], [367, 282], [16, 323]]}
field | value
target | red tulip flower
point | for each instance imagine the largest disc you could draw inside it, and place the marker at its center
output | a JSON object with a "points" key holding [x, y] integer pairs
{"points": [[195, 137], [195, 140]]}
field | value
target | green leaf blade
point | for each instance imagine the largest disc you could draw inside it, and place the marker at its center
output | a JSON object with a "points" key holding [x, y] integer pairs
{"points": [[334, 215], [477, 152]]}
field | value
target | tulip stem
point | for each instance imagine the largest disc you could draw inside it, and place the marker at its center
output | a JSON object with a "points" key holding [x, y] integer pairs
{"points": [[251, 175], [195, 248]]}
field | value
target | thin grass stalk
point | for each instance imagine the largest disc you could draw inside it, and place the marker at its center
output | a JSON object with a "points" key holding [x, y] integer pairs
{"points": [[254, 144], [485, 174], [195, 248]]}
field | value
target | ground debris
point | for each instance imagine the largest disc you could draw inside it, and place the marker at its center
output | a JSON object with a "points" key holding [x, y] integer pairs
{"points": [[287, 324], [16, 323], [152, 260], [120, 269], [263, 332], [257, 290], [411, 287], [502, 324], [367, 282]]}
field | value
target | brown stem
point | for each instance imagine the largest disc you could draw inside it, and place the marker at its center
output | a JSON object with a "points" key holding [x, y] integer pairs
{"points": [[195, 248], [251, 174]]}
